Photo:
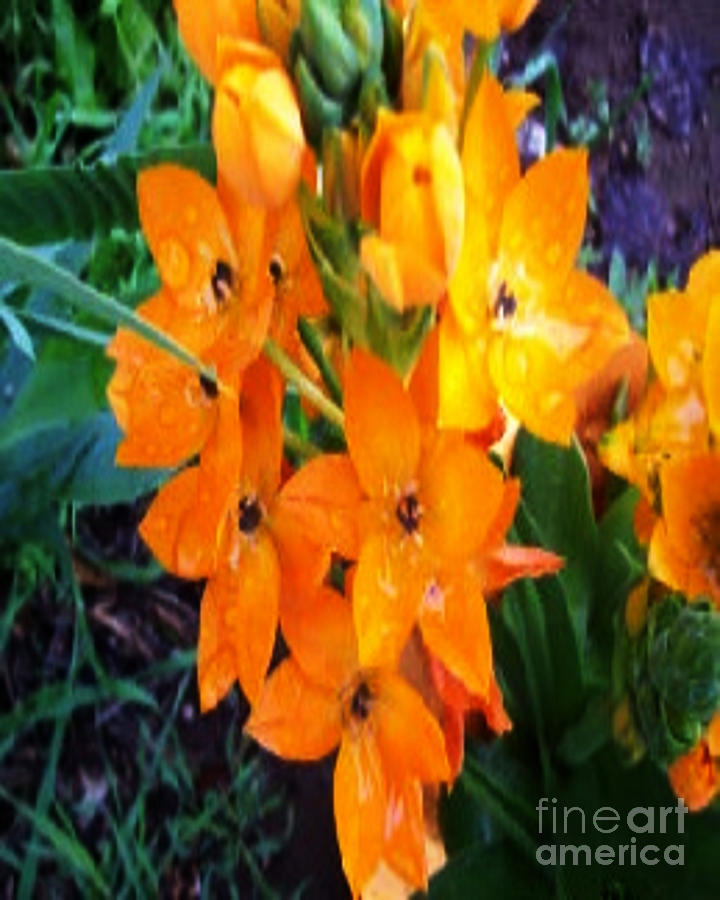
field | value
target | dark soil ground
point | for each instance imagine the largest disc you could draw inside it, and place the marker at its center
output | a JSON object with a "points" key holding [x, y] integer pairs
{"points": [[656, 181]]}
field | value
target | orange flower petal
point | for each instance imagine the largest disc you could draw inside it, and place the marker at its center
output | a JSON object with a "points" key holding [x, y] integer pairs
{"points": [[182, 524], [405, 833], [260, 411], [409, 737], [491, 167], [200, 24], [460, 494], [294, 717], [543, 223], [245, 593], [713, 735], [518, 104], [454, 625], [676, 333], [506, 564], [320, 632], [360, 808], [711, 367], [467, 396], [381, 427], [187, 231], [388, 588], [322, 499]]}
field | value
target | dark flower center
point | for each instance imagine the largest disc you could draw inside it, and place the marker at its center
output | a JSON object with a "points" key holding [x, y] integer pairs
{"points": [[221, 280], [505, 303], [276, 269], [209, 387], [249, 514], [360, 702], [408, 513]]}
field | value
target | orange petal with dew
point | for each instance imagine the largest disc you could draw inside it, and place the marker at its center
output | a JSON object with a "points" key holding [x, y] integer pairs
{"points": [[460, 493], [454, 625], [360, 801], [408, 735], [186, 229], [182, 525], [381, 426], [676, 334], [294, 717], [405, 833], [543, 223], [246, 592], [322, 499], [388, 588]]}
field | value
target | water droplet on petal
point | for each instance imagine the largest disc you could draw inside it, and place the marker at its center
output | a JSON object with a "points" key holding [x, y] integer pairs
{"points": [[174, 263], [550, 402]]}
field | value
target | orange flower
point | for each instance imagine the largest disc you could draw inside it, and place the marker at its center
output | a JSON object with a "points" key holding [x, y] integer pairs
{"points": [[695, 776], [225, 519], [190, 234], [412, 193], [201, 24], [165, 409], [320, 697], [685, 546], [522, 324], [257, 132], [209, 302]]}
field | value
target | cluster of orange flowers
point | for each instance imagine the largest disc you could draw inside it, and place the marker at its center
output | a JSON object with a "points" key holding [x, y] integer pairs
{"points": [[412, 520], [668, 449]]}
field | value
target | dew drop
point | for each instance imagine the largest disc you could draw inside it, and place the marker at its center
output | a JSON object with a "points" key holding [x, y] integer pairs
{"points": [[174, 263]]}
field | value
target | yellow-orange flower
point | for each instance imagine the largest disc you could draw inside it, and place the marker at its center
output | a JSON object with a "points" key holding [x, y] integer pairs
{"points": [[412, 194], [256, 126], [202, 23], [685, 545], [321, 697], [523, 324]]}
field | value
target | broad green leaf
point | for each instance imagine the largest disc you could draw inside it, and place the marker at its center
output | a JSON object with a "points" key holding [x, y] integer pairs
{"points": [[66, 386], [47, 205]]}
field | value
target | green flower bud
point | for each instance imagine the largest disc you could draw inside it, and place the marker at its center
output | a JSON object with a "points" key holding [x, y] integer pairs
{"points": [[336, 50], [673, 675]]}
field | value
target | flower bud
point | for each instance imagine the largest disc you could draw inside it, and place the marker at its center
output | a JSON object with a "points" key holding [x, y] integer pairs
{"points": [[673, 675], [337, 47], [411, 191], [256, 125]]}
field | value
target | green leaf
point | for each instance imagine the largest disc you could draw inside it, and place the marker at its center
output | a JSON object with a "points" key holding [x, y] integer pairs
{"points": [[74, 55], [65, 386], [17, 331], [47, 205], [72, 463]]}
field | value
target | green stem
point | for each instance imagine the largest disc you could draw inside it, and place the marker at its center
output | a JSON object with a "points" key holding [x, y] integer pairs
{"points": [[298, 445], [484, 51], [305, 387], [17, 263]]}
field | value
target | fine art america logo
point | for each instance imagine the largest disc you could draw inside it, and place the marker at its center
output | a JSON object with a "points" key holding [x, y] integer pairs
{"points": [[640, 837]]}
